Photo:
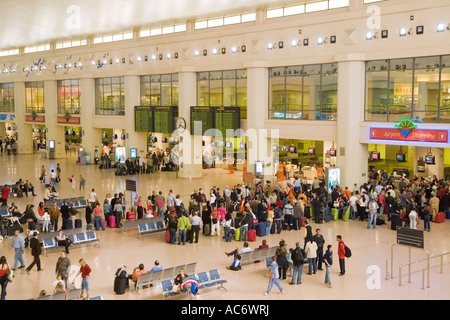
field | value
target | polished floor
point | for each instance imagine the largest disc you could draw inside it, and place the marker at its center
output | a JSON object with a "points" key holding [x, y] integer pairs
{"points": [[364, 279]]}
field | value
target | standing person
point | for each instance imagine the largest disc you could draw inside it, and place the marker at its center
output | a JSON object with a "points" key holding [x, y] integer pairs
{"points": [[274, 277], [298, 258], [18, 244], [328, 259], [98, 217], [36, 251], [73, 181], [54, 215], [183, 223], [5, 195], [227, 226], [65, 215], [373, 210], [311, 254], [215, 223], [307, 233], [82, 182], [58, 173], [62, 268], [4, 268], [88, 215], [320, 241], [93, 198], [195, 222], [85, 272], [412, 219], [341, 254], [118, 212], [172, 227], [282, 261], [427, 210]]}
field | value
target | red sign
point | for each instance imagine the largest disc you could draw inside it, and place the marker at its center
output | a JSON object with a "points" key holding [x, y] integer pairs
{"points": [[417, 135], [69, 120], [29, 118]]}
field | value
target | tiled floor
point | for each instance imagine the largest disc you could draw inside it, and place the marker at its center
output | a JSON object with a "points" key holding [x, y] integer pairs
{"points": [[366, 269]]}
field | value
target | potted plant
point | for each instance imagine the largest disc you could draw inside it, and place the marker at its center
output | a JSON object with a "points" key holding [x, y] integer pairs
{"points": [[33, 114], [67, 115]]}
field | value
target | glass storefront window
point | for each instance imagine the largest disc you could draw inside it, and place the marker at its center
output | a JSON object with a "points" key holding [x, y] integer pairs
{"points": [[69, 96], [416, 88], [110, 96], [303, 92], [34, 97], [159, 90], [223, 89], [7, 97]]}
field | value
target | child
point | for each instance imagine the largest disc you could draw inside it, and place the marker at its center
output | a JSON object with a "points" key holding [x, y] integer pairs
{"points": [[236, 266], [59, 285], [289, 259]]}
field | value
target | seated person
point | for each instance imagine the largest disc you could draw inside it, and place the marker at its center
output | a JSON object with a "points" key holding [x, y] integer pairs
{"points": [[245, 249], [137, 272], [28, 187], [179, 279], [14, 211], [264, 245], [236, 263], [63, 241], [157, 267]]}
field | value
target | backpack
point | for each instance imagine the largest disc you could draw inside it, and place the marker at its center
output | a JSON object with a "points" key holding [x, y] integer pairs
{"points": [[297, 256], [348, 252]]}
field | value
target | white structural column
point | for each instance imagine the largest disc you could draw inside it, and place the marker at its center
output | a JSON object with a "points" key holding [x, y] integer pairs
{"points": [[24, 130], [54, 132], [190, 147], [134, 139], [92, 137], [259, 140], [352, 156]]}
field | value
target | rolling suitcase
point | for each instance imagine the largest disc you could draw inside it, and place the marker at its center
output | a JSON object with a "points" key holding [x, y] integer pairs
{"points": [[327, 217], [335, 214], [167, 236], [237, 234], [346, 214], [78, 223], [131, 216], [112, 221], [448, 214], [396, 221], [251, 236], [272, 229], [261, 229], [120, 282], [19, 193], [67, 224], [302, 221], [440, 217]]}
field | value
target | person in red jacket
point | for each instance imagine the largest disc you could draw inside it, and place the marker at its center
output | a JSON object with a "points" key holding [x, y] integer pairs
{"points": [[5, 195], [341, 254]]}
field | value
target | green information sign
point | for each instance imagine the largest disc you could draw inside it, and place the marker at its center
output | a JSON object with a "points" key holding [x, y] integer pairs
{"points": [[216, 118], [143, 117], [157, 119]]}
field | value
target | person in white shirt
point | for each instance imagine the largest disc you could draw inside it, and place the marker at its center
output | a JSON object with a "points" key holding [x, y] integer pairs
{"points": [[413, 219], [92, 198], [244, 249], [311, 254], [373, 210], [352, 204], [212, 199]]}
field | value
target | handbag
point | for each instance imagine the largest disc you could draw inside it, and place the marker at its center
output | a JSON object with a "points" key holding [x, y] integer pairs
{"points": [[10, 275]]}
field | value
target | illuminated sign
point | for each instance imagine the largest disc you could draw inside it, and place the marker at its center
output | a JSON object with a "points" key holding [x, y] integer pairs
{"points": [[407, 131]]}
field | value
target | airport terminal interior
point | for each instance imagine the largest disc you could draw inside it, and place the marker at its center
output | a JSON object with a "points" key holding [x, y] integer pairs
{"points": [[337, 90]]}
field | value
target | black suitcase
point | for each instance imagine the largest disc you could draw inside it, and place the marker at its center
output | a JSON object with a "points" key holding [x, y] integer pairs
{"points": [[396, 221], [67, 224], [120, 284], [307, 212], [207, 229]]}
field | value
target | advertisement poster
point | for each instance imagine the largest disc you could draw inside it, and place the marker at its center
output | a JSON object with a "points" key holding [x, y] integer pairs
{"points": [[333, 176], [120, 154]]}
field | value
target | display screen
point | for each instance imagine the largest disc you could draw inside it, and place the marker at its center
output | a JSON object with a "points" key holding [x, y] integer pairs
{"points": [[430, 160], [242, 145], [375, 156], [333, 153], [164, 119], [115, 136], [229, 145], [133, 153], [51, 144], [401, 157], [120, 154], [105, 136], [215, 119], [312, 151], [122, 137], [292, 150], [333, 177], [143, 119], [259, 167]]}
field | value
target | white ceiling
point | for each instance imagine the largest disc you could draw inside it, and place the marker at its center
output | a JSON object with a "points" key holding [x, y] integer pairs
{"points": [[27, 22]]}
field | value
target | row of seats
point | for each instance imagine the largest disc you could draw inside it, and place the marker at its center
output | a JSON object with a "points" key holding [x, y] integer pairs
{"points": [[259, 254], [151, 278], [79, 238], [205, 279], [65, 295], [79, 203], [151, 227]]}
